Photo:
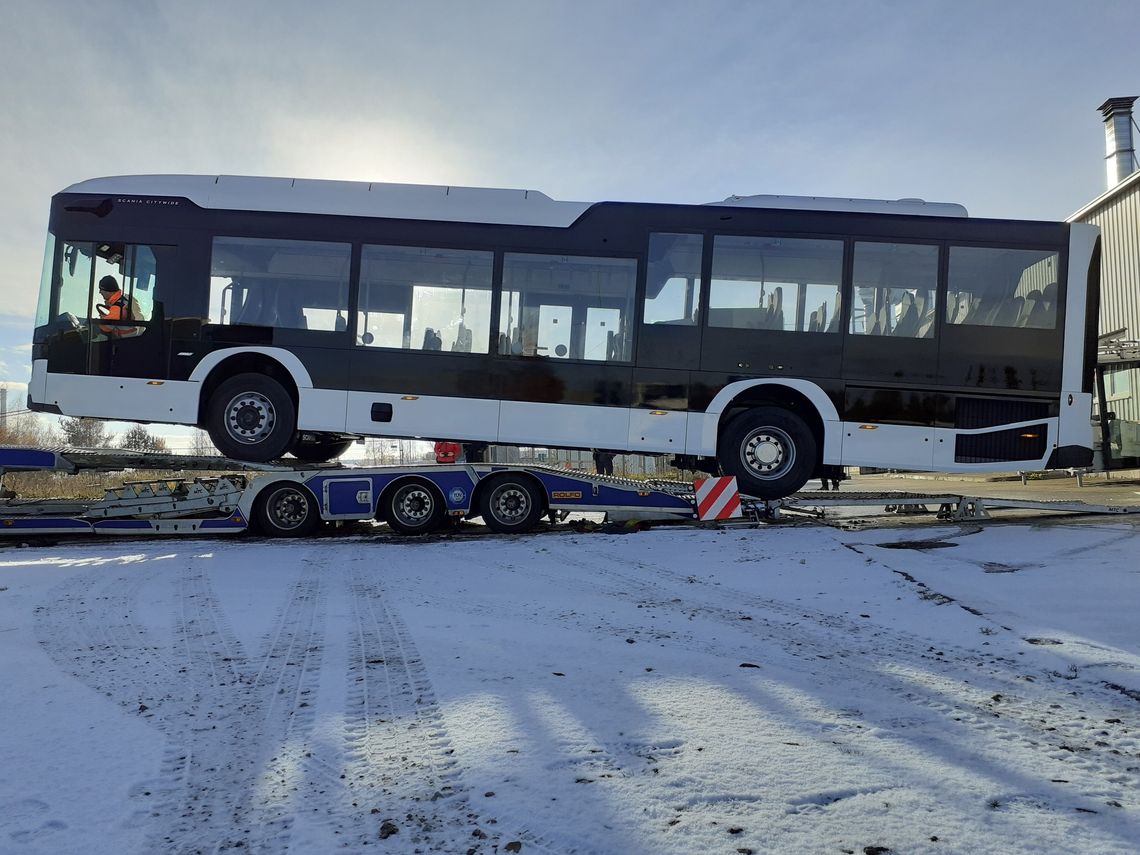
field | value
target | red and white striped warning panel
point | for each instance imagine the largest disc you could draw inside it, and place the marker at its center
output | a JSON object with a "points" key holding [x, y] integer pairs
{"points": [[717, 498]]}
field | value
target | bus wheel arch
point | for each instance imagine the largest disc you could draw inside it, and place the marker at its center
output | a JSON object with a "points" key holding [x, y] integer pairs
{"points": [[412, 505], [771, 438], [286, 509], [248, 405], [510, 502]]}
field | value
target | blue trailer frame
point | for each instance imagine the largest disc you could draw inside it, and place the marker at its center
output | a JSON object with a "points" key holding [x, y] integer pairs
{"points": [[292, 501]]}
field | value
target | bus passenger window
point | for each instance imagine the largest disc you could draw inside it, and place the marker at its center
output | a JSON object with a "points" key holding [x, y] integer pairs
{"points": [[894, 285], [423, 298], [996, 287], [289, 284], [779, 284], [567, 307], [673, 283]]}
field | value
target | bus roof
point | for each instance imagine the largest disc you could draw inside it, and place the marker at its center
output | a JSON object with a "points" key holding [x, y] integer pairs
{"points": [[430, 202]]}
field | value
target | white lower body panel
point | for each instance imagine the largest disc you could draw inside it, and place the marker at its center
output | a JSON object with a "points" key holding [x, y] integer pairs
{"points": [[124, 398], [525, 423], [424, 416]]}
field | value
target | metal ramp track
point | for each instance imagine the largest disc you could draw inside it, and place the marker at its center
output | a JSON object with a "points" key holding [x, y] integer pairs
{"points": [[73, 460], [950, 506]]}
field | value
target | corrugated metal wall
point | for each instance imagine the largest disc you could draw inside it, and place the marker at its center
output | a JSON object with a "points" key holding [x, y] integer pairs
{"points": [[1119, 222]]}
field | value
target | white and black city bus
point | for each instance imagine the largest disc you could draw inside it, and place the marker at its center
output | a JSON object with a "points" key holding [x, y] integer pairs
{"points": [[763, 336]]}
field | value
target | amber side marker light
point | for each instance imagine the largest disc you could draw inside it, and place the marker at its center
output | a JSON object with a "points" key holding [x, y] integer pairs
{"points": [[410, 398], [868, 427], [1030, 435], [155, 382]]}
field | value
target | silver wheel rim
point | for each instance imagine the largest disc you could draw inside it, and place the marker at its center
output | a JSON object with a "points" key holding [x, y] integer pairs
{"points": [[250, 418], [287, 508], [510, 504], [767, 453], [413, 505]]}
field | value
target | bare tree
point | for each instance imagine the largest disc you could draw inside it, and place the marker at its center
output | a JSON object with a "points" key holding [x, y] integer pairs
{"points": [[201, 445]]}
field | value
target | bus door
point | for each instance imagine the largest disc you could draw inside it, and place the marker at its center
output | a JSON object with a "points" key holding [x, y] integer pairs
{"points": [[422, 331], [127, 339], [668, 342], [565, 350], [890, 356]]}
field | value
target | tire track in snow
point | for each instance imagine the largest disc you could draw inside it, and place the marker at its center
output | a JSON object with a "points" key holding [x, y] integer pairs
{"points": [[234, 725], [399, 774]]}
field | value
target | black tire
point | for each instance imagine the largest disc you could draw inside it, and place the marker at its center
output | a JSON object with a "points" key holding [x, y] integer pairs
{"points": [[509, 503], [770, 450], [413, 506], [251, 417], [320, 450], [286, 509]]}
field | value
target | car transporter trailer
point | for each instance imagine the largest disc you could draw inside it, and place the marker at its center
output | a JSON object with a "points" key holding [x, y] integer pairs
{"points": [[293, 500]]}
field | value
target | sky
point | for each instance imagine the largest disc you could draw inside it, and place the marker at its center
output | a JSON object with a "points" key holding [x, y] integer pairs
{"points": [[989, 105]]}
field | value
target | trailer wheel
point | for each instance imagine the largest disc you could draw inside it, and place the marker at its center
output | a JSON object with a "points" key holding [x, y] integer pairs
{"points": [[286, 510], [413, 507], [510, 504], [770, 450], [251, 417], [320, 450]]}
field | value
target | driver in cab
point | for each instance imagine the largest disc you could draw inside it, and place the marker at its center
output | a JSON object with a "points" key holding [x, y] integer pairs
{"points": [[116, 306]]}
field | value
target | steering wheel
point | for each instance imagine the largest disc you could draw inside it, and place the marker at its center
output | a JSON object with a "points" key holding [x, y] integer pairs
{"points": [[70, 320]]}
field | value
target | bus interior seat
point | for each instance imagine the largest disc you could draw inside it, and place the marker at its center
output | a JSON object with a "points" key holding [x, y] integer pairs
{"points": [[834, 325], [776, 310], [341, 324], [1033, 311], [907, 325], [1049, 295], [882, 325], [432, 340], [1008, 313], [289, 312], [252, 307], [813, 321], [463, 339]]}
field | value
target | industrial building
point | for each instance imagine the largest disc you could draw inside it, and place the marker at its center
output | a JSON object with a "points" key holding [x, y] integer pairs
{"points": [[1117, 213]]}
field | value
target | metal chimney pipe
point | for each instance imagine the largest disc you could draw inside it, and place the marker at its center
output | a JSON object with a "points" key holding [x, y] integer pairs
{"points": [[1119, 152]]}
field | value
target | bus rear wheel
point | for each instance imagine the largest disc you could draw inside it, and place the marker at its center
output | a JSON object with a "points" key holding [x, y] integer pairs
{"points": [[770, 450], [320, 450], [251, 417], [286, 510], [413, 507], [510, 504]]}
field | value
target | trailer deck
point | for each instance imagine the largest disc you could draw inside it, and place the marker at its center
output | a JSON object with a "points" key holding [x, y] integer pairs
{"points": [[292, 499]]}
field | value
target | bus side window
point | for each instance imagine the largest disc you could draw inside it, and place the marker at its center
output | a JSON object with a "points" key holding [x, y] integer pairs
{"points": [[424, 298], [894, 287], [288, 284], [673, 281], [1000, 287]]}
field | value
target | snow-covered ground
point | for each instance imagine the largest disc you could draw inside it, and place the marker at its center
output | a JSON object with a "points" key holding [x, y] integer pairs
{"points": [[785, 689]]}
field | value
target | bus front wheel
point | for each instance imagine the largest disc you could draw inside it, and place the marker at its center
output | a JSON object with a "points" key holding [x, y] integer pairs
{"points": [[251, 417], [770, 450]]}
